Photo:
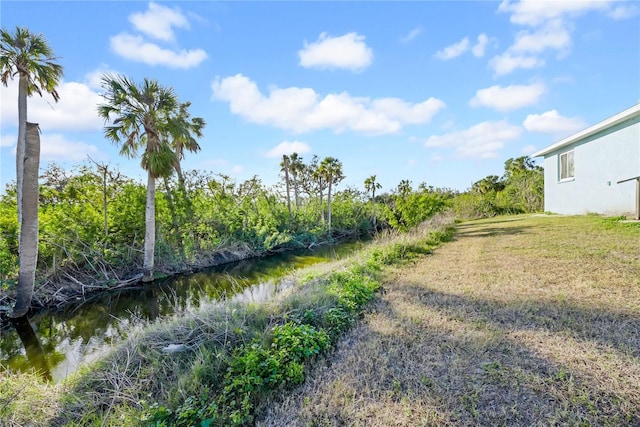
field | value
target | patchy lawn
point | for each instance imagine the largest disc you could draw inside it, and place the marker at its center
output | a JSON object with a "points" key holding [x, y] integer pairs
{"points": [[520, 321]]}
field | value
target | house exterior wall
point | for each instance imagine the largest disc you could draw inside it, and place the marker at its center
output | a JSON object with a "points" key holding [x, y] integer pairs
{"points": [[600, 160]]}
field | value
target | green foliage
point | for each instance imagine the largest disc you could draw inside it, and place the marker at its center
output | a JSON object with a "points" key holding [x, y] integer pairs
{"points": [[408, 208], [520, 190], [403, 251], [8, 242], [195, 215], [299, 342], [254, 370], [352, 289]]}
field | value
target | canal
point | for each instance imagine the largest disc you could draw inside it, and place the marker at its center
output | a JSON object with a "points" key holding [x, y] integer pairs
{"points": [[57, 343]]}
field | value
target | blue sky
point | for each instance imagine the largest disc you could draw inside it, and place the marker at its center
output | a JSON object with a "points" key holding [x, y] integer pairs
{"points": [[433, 91]]}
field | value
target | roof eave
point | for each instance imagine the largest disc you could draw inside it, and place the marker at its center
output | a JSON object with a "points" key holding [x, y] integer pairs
{"points": [[598, 127]]}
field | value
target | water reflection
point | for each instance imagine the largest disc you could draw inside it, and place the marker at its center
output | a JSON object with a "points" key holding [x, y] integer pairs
{"points": [[55, 344], [33, 347]]}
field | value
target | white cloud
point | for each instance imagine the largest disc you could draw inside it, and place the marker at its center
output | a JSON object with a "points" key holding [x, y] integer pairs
{"points": [[623, 12], [237, 169], [508, 98], [536, 12], [453, 50], [136, 49], [348, 51], [287, 148], [553, 35], [405, 112], [480, 46], [303, 110], [553, 123], [507, 62], [483, 140], [411, 35], [549, 25], [8, 140], [56, 147], [528, 150], [76, 110], [158, 21]]}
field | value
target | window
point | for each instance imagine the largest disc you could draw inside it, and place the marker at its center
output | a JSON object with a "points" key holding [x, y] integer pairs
{"points": [[567, 170]]}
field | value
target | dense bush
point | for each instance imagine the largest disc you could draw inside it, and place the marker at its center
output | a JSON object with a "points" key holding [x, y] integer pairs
{"points": [[520, 190]]}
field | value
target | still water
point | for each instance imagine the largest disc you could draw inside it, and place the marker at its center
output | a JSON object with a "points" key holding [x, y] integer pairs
{"points": [[57, 343]]}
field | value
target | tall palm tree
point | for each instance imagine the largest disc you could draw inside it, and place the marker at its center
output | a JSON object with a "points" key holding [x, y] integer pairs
{"points": [[296, 168], [371, 185], [331, 170], [28, 254], [29, 57], [284, 167], [317, 182], [149, 117]]}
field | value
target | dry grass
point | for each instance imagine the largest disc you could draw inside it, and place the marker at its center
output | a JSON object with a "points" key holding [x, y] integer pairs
{"points": [[520, 321], [43, 398]]}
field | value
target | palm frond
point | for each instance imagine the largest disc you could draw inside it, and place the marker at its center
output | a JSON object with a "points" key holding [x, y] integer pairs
{"points": [[29, 55]]}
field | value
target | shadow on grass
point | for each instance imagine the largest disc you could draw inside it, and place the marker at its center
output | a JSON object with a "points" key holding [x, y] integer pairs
{"points": [[506, 381], [605, 328], [438, 360], [473, 231]]}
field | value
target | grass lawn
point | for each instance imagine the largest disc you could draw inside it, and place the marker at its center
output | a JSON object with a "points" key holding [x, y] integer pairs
{"points": [[519, 321]]}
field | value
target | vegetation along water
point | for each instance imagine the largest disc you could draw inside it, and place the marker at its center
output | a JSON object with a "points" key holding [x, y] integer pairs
{"points": [[57, 342]]}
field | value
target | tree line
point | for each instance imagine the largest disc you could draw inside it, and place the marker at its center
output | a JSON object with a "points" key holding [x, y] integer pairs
{"points": [[95, 225]]}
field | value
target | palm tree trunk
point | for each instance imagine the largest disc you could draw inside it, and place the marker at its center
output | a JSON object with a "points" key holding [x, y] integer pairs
{"points": [[329, 206], [20, 147], [373, 207], [321, 200], [175, 225], [285, 162], [28, 256], [150, 230], [296, 191]]}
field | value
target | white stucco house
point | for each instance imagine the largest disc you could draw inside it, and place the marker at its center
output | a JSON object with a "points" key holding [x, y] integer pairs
{"points": [[596, 170]]}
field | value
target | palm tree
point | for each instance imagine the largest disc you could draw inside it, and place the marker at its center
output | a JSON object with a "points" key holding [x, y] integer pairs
{"points": [[296, 168], [404, 188], [370, 184], [317, 182], [183, 133], [148, 117], [284, 167], [28, 244], [29, 57], [488, 184], [331, 170]]}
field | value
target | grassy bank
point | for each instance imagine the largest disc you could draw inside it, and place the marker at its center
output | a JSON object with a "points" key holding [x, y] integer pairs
{"points": [[520, 321], [223, 365]]}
